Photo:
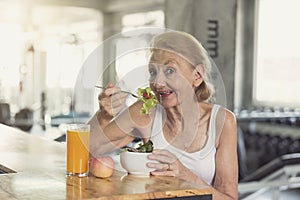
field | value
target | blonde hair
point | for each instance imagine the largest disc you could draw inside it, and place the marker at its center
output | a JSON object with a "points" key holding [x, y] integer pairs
{"points": [[190, 49]]}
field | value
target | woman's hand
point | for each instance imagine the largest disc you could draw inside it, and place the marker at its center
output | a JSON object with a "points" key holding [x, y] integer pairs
{"points": [[111, 101], [168, 164]]}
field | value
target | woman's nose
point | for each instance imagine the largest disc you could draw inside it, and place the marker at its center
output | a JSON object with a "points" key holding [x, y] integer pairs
{"points": [[159, 80], [159, 84]]}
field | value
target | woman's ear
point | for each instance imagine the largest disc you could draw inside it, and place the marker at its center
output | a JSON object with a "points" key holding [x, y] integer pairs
{"points": [[198, 75], [200, 69]]}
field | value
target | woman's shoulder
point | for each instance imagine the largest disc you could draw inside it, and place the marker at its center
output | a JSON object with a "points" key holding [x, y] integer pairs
{"points": [[225, 125], [226, 113], [221, 110]]}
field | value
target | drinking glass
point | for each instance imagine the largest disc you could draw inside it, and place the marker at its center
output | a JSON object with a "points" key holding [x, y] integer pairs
{"points": [[78, 138]]}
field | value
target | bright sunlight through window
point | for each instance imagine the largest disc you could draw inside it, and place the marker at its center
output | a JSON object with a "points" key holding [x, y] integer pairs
{"points": [[10, 52], [277, 53]]}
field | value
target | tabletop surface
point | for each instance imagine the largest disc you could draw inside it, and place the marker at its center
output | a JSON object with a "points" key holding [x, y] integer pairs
{"points": [[37, 166]]}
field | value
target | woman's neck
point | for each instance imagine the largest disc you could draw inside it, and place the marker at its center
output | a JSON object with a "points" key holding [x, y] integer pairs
{"points": [[183, 117], [173, 120]]}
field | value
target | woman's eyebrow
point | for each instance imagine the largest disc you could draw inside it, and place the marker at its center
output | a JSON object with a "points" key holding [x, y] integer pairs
{"points": [[173, 61], [167, 61]]}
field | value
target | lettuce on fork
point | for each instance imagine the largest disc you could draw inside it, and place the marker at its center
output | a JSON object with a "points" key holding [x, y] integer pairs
{"points": [[147, 96]]}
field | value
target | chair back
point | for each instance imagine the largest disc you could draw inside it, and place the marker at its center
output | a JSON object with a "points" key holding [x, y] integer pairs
{"points": [[4, 113]]}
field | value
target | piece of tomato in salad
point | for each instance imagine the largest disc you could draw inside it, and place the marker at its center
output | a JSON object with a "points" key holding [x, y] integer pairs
{"points": [[146, 95], [149, 100]]}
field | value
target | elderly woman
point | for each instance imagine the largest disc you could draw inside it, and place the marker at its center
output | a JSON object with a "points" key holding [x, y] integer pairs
{"points": [[193, 139]]}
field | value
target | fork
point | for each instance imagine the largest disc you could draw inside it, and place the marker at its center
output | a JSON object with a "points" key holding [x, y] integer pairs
{"points": [[97, 86]]}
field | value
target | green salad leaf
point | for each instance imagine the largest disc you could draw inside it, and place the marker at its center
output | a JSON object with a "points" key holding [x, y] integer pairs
{"points": [[143, 148], [147, 96]]}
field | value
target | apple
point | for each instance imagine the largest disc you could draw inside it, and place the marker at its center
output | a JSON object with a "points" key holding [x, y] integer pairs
{"points": [[102, 167]]}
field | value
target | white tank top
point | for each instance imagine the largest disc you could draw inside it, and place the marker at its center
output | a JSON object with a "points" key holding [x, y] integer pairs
{"points": [[201, 162]]}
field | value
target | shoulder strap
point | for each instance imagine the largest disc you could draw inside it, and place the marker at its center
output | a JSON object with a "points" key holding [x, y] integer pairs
{"points": [[219, 122], [213, 122]]}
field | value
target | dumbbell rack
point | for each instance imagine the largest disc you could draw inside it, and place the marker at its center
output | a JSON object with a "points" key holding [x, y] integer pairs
{"points": [[279, 179]]}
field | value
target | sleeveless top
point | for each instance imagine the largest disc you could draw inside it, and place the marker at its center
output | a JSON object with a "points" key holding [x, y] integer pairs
{"points": [[202, 162]]}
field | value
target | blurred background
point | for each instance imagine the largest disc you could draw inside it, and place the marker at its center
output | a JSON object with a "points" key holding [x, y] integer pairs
{"points": [[45, 43], [254, 43]]}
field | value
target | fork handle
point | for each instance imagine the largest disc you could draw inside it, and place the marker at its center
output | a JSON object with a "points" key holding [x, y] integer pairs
{"points": [[97, 86]]}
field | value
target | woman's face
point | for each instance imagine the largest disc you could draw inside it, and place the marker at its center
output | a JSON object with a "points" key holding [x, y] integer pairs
{"points": [[171, 78]]}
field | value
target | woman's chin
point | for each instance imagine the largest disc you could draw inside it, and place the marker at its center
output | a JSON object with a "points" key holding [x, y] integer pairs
{"points": [[169, 103]]}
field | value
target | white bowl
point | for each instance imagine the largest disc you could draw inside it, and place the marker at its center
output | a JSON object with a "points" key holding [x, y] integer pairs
{"points": [[135, 163]]}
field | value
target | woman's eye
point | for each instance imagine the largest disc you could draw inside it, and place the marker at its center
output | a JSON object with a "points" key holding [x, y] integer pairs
{"points": [[152, 72], [169, 71]]}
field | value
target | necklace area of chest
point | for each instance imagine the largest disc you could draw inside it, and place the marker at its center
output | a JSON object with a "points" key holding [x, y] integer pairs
{"points": [[189, 140]]}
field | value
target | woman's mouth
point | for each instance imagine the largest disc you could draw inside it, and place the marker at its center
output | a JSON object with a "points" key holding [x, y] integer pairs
{"points": [[165, 94]]}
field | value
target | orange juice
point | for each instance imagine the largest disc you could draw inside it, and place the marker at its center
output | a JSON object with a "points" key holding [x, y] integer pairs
{"points": [[77, 151]]}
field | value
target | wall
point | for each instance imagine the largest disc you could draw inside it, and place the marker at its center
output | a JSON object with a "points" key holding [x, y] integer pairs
{"points": [[214, 24], [245, 54]]}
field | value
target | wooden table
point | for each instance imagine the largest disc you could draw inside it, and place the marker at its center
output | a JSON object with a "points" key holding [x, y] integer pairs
{"points": [[36, 169]]}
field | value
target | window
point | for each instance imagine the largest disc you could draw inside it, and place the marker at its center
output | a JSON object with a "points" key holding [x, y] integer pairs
{"points": [[134, 61], [152, 18], [44, 53], [10, 51], [277, 64]]}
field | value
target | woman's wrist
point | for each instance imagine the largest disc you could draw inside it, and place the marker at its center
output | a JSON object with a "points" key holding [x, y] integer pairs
{"points": [[103, 118]]}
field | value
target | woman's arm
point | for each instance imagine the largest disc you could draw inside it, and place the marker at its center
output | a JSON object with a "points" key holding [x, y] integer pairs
{"points": [[120, 131], [128, 125], [111, 101], [226, 178]]}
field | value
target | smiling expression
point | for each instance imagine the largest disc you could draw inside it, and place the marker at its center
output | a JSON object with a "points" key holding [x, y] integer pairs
{"points": [[172, 78]]}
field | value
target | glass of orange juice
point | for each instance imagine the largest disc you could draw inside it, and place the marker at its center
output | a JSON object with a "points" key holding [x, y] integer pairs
{"points": [[78, 139]]}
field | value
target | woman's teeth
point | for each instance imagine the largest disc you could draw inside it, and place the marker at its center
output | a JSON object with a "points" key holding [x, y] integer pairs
{"points": [[165, 93]]}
